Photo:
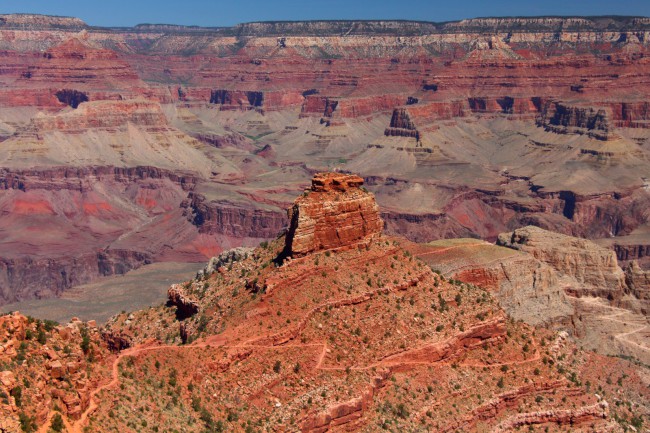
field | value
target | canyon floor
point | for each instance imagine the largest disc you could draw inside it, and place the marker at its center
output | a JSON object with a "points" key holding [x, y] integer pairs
{"points": [[109, 296]]}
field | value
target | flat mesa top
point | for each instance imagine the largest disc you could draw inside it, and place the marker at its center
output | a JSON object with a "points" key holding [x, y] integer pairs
{"points": [[335, 182]]}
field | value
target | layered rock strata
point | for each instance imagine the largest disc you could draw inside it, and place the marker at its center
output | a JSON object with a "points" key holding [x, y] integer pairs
{"points": [[581, 259], [562, 118], [245, 107], [335, 213], [638, 282]]}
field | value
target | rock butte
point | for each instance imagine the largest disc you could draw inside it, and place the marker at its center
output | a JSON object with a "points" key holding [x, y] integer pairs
{"points": [[335, 213]]}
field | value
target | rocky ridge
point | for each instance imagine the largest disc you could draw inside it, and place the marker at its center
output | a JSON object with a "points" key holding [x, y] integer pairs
{"points": [[354, 337], [555, 281]]}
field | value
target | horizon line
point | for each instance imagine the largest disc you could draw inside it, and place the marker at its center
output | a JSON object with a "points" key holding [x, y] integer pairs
{"points": [[345, 20]]}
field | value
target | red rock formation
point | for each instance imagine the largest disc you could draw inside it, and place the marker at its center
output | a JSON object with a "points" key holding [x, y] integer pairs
{"points": [[568, 119], [631, 114], [631, 252], [408, 121], [73, 66], [185, 306], [335, 213], [34, 265], [350, 107], [567, 417], [105, 114], [69, 368], [482, 333], [346, 412], [232, 219], [249, 100]]}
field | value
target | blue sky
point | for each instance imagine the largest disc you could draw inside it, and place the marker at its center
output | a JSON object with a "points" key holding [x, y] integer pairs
{"points": [[229, 12]]}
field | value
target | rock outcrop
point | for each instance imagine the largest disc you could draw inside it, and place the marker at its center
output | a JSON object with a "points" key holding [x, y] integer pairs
{"points": [[254, 100], [563, 118], [638, 281], [225, 258], [526, 288], [232, 219], [572, 417], [591, 265], [185, 305], [103, 114], [335, 213], [626, 252], [68, 369]]}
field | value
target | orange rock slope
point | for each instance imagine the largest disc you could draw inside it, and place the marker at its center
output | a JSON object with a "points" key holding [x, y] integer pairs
{"points": [[358, 336]]}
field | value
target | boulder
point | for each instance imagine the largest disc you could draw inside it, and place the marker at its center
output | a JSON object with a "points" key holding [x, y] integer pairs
{"points": [[7, 379], [56, 369], [224, 259]]}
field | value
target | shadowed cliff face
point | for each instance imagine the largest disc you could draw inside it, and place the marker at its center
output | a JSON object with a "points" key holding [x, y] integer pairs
{"points": [[71, 97]]}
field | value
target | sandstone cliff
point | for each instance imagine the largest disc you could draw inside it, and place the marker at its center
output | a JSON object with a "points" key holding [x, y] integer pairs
{"points": [[566, 119], [589, 264], [638, 282], [335, 213]]}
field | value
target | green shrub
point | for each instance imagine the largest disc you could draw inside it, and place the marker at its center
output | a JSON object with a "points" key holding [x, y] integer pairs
{"points": [[27, 423], [85, 340], [17, 393], [57, 423]]}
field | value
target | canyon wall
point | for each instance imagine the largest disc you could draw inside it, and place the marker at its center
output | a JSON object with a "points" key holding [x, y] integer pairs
{"points": [[468, 128]]}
